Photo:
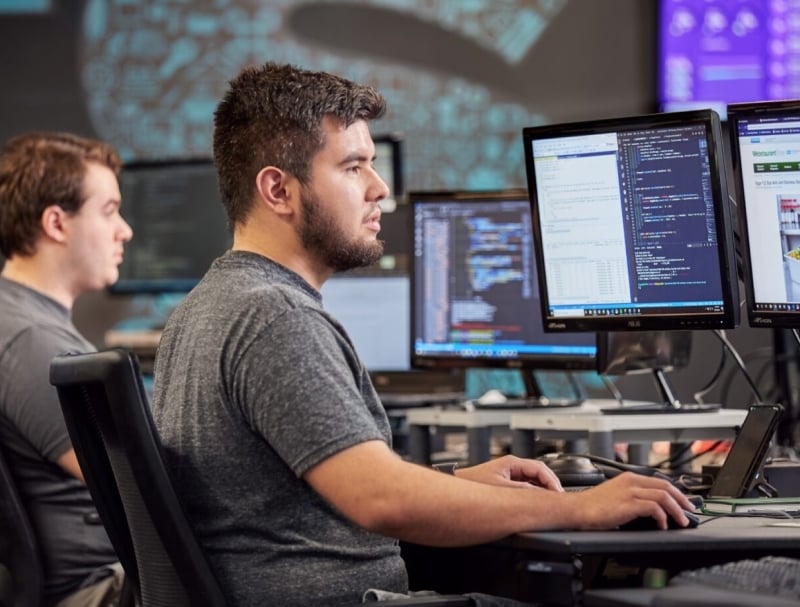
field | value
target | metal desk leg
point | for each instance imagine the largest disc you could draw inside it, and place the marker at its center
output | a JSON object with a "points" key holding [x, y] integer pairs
{"points": [[478, 445], [419, 444], [639, 453], [602, 444], [576, 445], [681, 452], [523, 442]]}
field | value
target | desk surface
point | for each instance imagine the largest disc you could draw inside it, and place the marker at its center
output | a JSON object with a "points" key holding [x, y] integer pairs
{"points": [[714, 533], [544, 566], [456, 417]]}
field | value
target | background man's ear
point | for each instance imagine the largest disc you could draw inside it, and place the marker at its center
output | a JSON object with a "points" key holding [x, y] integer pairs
{"points": [[52, 222]]}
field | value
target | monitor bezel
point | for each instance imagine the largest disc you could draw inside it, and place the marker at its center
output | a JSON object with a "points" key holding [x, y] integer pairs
{"points": [[769, 319], [550, 361], [729, 317]]}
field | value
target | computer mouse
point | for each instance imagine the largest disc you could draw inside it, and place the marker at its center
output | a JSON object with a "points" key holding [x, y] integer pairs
{"points": [[648, 523], [573, 470]]}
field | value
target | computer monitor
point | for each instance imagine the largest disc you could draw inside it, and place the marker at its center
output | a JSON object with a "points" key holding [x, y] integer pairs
{"points": [[765, 160], [389, 164], [632, 225], [373, 304], [179, 225], [715, 52], [474, 289]]}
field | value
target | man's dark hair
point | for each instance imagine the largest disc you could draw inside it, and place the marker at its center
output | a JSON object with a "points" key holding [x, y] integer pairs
{"points": [[42, 169], [272, 116]]}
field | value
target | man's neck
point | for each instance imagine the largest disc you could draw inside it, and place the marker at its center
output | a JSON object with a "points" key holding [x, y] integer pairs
{"points": [[285, 254]]}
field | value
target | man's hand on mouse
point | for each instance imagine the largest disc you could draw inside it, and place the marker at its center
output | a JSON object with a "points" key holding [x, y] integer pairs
{"points": [[627, 496], [604, 506]]}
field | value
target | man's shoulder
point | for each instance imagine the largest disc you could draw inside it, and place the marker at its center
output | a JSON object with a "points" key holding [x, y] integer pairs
{"points": [[21, 326], [242, 284], [23, 307]]}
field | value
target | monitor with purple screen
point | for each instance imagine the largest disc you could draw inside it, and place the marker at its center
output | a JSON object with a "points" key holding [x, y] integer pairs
{"points": [[714, 52]]}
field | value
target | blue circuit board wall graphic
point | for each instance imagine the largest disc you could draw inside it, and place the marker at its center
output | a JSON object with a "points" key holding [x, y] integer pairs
{"points": [[154, 72]]}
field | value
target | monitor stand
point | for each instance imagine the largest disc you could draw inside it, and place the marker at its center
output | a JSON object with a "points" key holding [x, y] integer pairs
{"points": [[670, 404], [533, 398]]}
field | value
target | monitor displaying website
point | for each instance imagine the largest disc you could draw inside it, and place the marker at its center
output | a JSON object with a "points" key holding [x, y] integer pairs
{"points": [[766, 152]]}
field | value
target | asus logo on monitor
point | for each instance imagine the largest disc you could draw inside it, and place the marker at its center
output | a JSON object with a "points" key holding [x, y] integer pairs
{"points": [[634, 324], [758, 320], [556, 325]]}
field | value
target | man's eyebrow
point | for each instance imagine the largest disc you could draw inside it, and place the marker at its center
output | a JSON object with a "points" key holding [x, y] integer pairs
{"points": [[356, 156]]}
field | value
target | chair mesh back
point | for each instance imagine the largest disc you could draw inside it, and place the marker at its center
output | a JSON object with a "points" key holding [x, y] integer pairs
{"points": [[158, 581]]}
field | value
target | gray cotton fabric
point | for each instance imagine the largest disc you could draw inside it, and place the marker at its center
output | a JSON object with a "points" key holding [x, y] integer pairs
{"points": [[33, 435], [255, 384]]}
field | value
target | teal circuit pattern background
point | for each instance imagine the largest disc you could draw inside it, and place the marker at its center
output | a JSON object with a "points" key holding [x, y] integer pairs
{"points": [[153, 73]]}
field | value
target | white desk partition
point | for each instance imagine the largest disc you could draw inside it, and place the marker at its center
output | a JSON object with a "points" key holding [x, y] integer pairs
{"points": [[478, 425], [602, 431]]}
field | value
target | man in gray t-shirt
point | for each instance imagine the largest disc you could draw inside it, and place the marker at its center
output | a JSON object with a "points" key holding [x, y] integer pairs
{"points": [[272, 388], [279, 446], [62, 235]]}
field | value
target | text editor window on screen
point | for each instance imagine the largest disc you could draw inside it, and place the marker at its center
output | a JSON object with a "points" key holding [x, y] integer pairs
{"points": [[475, 287], [627, 222]]}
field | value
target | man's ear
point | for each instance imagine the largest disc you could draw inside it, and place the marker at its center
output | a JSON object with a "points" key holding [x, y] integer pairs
{"points": [[53, 223], [273, 189]]}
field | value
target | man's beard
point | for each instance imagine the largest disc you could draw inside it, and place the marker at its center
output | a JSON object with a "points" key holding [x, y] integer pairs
{"points": [[322, 237]]}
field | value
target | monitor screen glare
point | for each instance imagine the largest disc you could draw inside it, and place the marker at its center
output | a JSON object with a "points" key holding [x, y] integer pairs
{"points": [[631, 222], [765, 152], [474, 289]]}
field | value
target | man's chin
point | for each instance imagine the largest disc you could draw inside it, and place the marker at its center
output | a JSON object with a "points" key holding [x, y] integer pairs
{"points": [[111, 279]]}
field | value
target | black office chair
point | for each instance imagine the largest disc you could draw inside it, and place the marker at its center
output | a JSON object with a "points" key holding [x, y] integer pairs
{"points": [[117, 445], [21, 569], [112, 432]]}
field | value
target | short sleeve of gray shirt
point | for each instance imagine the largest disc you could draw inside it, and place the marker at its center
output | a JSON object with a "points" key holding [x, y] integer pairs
{"points": [[37, 413], [311, 377]]}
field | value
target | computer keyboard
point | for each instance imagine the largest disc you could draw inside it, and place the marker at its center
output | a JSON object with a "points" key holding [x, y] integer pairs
{"points": [[762, 579]]}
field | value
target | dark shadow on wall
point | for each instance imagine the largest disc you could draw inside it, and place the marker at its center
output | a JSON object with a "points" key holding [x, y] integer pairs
{"points": [[594, 59], [40, 71]]}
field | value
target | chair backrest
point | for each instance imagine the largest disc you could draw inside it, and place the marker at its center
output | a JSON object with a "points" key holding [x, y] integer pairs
{"points": [[21, 569], [121, 457]]}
